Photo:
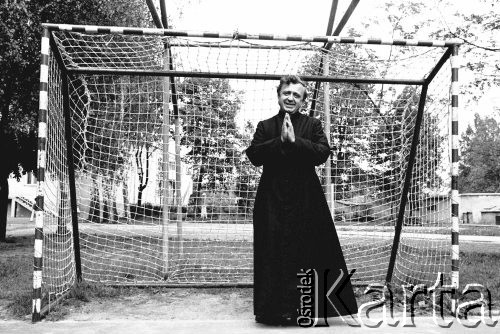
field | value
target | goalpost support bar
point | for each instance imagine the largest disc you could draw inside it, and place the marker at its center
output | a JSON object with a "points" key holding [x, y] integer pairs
{"points": [[71, 178], [407, 183], [168, 65], [166, 173], [154, 13], [178, 183], [345, 17], [331, 18], [69, 157], [438, 66]]}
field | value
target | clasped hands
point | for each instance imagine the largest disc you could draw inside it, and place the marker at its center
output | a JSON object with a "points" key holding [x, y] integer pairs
{"points": [[287, 133]]}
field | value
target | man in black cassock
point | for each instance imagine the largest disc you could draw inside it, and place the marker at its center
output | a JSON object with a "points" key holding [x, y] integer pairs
{"points": [[293, 227]]}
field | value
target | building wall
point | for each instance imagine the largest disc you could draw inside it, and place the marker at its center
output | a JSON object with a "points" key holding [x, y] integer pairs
{"points": [[490, 218], [477, 202], [21, 211], [26, 187], [480, 208], [436, 210], [151, 194]]}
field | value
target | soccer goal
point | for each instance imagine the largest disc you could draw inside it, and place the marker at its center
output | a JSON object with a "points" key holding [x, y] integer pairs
{"points": [[143, 178]]}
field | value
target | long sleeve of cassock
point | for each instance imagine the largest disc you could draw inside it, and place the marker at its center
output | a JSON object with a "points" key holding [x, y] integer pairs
{"points": [[315, 150], [263, 150]]}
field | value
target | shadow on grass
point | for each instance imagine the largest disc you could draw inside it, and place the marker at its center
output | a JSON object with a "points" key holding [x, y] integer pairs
{"points": [[16, 276]]}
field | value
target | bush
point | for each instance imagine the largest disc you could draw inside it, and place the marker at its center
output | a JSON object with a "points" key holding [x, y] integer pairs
{"points": [[221, 202], [146, 210]]}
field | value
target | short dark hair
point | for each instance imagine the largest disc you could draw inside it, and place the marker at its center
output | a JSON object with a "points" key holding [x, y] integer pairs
{"points": [[292, 79]]}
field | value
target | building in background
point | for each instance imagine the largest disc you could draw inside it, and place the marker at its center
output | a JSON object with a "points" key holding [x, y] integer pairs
{"points": [[22, 195], [480, 208]]}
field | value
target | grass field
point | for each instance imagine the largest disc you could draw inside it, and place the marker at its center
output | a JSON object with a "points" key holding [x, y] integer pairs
{"points": [[486, 230], [132, 258], [479, 264]]}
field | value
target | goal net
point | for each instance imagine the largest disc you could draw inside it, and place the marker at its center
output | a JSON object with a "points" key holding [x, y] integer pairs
{"points": [[146, 181]]}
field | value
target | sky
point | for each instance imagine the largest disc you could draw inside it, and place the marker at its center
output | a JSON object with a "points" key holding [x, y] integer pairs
{"points": [[301, 18]]}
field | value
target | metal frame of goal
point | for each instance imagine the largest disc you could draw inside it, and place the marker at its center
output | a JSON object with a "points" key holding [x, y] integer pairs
{"points": [[142, 178]]}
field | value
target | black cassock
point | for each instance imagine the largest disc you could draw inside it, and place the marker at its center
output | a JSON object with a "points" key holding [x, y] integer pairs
{"points": [[293, 227]]}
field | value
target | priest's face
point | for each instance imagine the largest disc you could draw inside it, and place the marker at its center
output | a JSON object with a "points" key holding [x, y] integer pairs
{"points": [[291, 97]]}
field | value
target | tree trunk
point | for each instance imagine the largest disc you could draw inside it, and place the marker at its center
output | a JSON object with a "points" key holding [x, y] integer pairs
{"points": [[4, 199], [123, 173], [143, 180], [105, 198], [61, 214], [109, 212], [126, 206], [197, 191], [114, 211], [139, 196], [95, 205], [5, 144], [105, 213]]}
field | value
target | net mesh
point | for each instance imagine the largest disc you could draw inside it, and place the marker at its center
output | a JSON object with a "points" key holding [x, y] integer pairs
{"points": [[165, 192]]}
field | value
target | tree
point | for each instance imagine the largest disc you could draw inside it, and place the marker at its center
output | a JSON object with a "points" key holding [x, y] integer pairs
{"points": [[478, 27], [20, 32], [476, 23], [207, 109], [354, 110], [17, 97], [372, 128], [247, 179], [397, 131], [479, 169], [120, 126]]}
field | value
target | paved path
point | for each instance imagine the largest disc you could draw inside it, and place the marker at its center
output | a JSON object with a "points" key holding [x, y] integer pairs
{"points": [[134, 326], [215, 231]]}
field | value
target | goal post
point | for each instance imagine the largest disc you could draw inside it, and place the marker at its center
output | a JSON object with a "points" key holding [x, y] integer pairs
{"points": [[147, 143]]}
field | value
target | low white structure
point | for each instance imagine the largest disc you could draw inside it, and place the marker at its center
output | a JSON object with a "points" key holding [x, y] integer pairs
{"points": [[22, 195], [480, 208]]}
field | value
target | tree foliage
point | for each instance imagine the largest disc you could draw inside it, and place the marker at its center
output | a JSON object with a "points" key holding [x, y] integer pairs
{"points": [[121, 125], [207, 109], [478, 29], [351, 107], [475, 23], [371, 130], [480, 156], [20, 35]]}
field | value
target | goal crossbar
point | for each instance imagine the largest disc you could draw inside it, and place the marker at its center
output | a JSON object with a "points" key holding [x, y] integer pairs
{"points": [[250, 36]]}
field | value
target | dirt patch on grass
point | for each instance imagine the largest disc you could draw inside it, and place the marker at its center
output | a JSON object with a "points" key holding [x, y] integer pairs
{"points": [[180, 304]]}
